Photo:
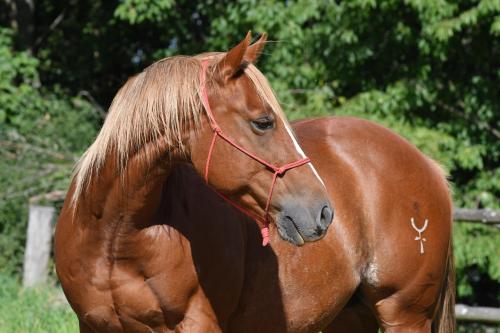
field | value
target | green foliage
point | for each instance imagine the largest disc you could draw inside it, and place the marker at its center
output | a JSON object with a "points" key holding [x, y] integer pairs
{"points": [[42, 134], [39, 310], [430, 70], [13, 216], [476, 247], [138, 11]]}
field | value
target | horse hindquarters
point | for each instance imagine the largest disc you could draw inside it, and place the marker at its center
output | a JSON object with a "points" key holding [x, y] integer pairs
{"points": [[356, 317], [415, 283], [405, 219]]}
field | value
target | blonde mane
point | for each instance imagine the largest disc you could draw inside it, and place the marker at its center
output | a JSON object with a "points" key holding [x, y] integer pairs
{"points": [[162, 101]]}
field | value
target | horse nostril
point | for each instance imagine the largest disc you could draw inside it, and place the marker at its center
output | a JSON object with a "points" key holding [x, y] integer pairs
{"points": [[319, 231], [326, 216]]}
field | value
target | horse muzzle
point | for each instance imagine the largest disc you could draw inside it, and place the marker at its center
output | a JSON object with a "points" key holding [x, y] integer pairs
{"points": [[298, 224]]}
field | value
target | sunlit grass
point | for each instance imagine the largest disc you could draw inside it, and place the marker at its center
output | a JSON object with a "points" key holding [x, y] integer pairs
{"points": [[33, 310]]}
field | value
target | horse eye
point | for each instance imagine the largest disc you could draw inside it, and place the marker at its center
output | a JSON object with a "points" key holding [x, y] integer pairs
{"points": [[263, 124]]}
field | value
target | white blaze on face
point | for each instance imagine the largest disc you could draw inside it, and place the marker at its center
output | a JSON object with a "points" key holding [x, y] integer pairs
{"points": [[300, 151]]}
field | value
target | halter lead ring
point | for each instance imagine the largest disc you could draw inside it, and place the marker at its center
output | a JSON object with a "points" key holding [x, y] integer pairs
{"points": [[278, 170]]}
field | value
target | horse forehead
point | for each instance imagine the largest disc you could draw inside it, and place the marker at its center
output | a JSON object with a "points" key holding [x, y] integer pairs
{"points": [[242, 92]]}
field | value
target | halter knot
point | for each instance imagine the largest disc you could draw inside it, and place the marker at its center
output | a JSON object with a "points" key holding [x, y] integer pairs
{"points": [[280, 171]]}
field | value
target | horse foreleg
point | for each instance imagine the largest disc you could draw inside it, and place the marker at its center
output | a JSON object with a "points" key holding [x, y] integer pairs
{"points": [[199, 316], [84, 328]]}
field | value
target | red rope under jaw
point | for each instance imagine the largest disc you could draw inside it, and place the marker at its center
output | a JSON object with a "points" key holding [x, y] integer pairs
{"points": [[278, 170]]}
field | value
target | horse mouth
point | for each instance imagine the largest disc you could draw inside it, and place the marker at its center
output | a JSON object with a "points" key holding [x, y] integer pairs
{"points": [[289, 231]]}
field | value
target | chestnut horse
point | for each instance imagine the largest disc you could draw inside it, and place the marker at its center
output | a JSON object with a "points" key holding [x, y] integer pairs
{"points": [[196, 264], [215, 111], [372, 269]]}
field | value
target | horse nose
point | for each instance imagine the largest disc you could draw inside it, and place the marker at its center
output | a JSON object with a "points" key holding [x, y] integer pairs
{"points": [[325, 216], [298, 223]]}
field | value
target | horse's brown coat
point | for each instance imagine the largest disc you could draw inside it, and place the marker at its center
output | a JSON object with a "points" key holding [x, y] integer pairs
{"points": [[116, 232], [197, 264], [378, 182]]}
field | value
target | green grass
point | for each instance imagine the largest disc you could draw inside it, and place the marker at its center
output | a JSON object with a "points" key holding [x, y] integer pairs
{"points": [[34, 310]]}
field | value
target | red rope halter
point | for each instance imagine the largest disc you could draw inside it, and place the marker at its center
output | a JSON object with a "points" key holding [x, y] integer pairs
{"points": [[278, 170]]}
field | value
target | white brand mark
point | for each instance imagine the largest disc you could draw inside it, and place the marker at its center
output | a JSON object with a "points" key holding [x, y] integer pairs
{"points": [[420, 231]]}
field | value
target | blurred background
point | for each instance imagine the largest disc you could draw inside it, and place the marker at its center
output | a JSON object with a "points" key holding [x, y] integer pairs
{"points": [[429, 70]]}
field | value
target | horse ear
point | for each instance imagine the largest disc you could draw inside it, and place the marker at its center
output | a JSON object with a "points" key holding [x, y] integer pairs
{"points": [[231, 62], [253, 51]]}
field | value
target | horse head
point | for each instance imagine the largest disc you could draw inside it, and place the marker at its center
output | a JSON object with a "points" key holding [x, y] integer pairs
{"points": [[248, 152]]}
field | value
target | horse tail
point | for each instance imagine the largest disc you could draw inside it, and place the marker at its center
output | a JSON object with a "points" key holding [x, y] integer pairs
{"points": [[444, 321]]}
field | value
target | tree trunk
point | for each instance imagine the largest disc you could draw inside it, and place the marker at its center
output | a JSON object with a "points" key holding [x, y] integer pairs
{"points": [[22, 21]]}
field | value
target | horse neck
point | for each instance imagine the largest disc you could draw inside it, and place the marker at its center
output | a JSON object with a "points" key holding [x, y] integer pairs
{"points": [[130, 197]]}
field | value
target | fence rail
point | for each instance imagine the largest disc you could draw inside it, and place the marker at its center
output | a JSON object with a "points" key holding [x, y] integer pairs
{"points": [[477, 314], [485, 216]]}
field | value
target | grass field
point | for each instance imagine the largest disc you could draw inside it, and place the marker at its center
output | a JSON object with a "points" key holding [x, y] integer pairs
{"points": [[34, 310]]}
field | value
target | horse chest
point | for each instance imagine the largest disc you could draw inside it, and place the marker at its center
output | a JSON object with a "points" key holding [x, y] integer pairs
{"points": [[135, 302]]}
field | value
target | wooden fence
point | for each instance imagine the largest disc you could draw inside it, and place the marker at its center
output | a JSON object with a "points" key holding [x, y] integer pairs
{"points": [[39, 245], [484, 216], [477, 314]]}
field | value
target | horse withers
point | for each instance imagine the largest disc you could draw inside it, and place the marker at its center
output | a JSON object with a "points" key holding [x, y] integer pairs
{"points": [[215, 111]]}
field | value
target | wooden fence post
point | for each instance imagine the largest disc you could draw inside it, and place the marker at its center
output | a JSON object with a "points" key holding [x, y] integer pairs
{"points": [[38, 244]]}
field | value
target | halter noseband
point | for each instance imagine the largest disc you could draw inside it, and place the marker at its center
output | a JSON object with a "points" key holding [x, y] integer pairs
{"points": [[278, 170]]}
